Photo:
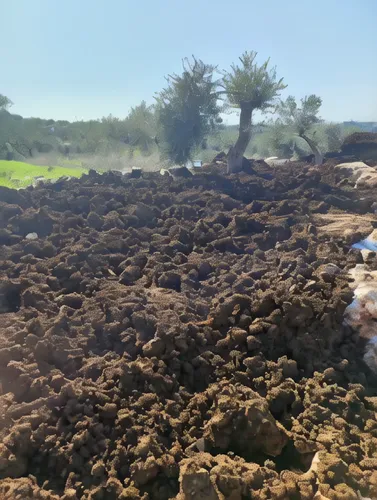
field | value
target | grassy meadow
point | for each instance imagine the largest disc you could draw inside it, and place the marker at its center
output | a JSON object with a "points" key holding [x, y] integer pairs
{"points": [[16, 174]]}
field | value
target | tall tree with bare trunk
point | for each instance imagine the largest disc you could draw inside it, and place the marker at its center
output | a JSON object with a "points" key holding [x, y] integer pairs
{"points": [[249, 87]]}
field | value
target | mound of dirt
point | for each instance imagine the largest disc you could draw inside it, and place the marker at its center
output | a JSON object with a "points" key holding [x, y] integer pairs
{"points": [[362, 145], [184, 337]]}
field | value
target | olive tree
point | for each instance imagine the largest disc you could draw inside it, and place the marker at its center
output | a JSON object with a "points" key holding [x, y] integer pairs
{"points": [[249, 87], [187, 110], [301, 120]]}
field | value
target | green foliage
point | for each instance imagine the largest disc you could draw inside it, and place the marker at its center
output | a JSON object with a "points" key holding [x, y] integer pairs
{"points": [[187, 110], [26, 136], [276, 139], [281, 142], [5, 102], [334, 134], [222, 138], [33, 136], [300, 119], [113, 128], [142, 127], [253, 84]]}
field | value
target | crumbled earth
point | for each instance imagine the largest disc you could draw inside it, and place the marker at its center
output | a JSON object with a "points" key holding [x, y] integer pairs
{"points": [[183, 337]]}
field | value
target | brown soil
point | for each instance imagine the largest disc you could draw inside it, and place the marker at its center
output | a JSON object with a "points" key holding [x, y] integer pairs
{"points": [[362, 145], [361, 137], [183, 337]]}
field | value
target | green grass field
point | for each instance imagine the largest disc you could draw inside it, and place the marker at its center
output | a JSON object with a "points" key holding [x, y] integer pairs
{"points": [[16, 174]]}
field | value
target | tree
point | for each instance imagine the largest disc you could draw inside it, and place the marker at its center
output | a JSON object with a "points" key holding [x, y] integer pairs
{"points": [[141, 127], [187, 110], [113, 129], [301, 120], [5, 102], [334, 134], [249, 87]]}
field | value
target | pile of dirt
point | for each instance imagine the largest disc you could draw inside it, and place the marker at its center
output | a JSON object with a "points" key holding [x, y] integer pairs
{"points": [[362, 145], [183, 337]]}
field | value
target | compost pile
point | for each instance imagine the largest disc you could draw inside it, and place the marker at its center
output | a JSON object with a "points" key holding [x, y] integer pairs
{"points": [[183, 337], [361, 144]]}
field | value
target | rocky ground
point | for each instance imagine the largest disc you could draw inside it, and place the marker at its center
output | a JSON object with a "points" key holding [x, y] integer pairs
{"points": [[184, 338]]}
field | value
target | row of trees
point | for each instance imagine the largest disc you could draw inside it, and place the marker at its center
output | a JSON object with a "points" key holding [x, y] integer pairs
{"points": [[34, 136], [186, 113], [189, 107]]}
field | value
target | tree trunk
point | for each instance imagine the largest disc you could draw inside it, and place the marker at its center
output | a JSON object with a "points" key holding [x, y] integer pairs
{"points": [[318, 156], [236, 152]]}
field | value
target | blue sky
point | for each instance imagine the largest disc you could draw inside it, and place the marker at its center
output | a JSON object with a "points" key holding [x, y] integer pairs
{"points": [[83, 59]]}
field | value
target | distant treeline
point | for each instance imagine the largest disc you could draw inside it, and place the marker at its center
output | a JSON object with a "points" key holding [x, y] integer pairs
{"points": [[22, 138]]}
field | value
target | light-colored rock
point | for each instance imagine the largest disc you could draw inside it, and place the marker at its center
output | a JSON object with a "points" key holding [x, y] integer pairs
{"points": [[359, 172], [273, 161], [31, 236], [344, 225]]}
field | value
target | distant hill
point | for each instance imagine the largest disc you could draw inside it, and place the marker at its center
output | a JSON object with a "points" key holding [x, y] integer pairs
{"points": [[364, 126]]}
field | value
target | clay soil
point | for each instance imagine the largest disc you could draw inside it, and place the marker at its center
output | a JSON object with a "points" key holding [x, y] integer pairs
{"points": [[183, 338]]}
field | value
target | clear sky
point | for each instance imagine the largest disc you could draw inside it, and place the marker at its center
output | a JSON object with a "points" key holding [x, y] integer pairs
{"points": [[83, 59]]}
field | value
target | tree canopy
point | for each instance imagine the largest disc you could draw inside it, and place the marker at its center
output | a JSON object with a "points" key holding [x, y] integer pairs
{"points": [[187, 110], [300, 120], [252, 85]]}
